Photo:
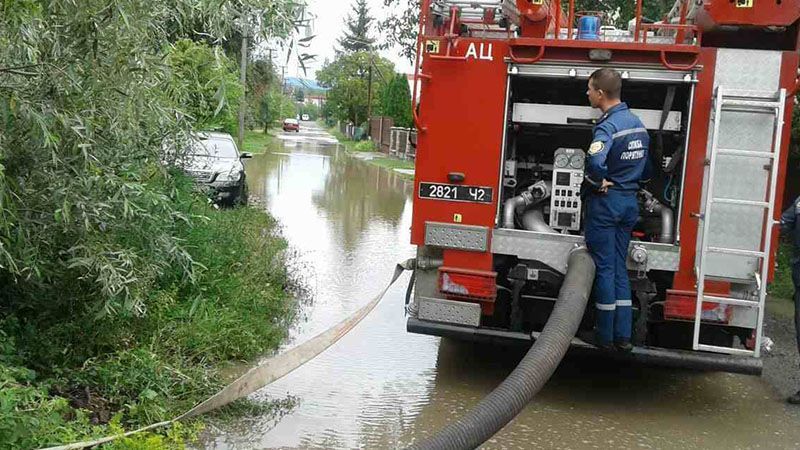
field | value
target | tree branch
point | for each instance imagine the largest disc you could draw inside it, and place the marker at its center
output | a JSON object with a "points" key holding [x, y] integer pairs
{"points": [[19, 70]]}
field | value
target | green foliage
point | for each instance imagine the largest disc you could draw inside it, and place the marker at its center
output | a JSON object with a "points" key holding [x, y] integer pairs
{"points": [[115, 276], [32, 418], [257, 141], [262, 80], [395, 101], [782, 286], [401, 25], [86, 99], [29, 417], [175, 438], [311, 109], [357, 29], [347, 77], [150, 368], [364, 146], [274, 107], [206, 85]]}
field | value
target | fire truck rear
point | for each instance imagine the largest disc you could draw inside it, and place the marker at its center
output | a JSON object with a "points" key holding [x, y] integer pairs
{"points": [[503, 127]]}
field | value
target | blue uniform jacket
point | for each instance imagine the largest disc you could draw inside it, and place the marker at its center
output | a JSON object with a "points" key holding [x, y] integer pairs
{"points": [[619, 151], [789, 226]]}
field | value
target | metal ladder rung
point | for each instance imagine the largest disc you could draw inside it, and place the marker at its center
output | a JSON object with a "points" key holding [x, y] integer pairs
{"points": [[748, 153], [731, 301], [736, 201], [728, 350], [752, 93], [735, 251], [751, 103]]}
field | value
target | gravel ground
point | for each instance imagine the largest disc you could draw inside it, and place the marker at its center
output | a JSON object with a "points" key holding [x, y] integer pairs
{"points": [[782, 364]]}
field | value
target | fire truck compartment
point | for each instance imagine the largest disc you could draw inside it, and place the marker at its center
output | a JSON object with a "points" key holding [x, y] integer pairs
{"points": [[540, 219], [550, 126]]}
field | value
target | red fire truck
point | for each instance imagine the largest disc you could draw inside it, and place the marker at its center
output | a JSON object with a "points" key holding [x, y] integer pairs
{"points": [[503, 127]]}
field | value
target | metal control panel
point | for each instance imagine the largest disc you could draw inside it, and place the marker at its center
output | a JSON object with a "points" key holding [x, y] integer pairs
{"points": [[565, 201]]}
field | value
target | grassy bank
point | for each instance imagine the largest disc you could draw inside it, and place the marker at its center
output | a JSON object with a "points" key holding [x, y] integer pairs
{"points": [[256, 141], [379, 159], [72, 374], [349, 144]]}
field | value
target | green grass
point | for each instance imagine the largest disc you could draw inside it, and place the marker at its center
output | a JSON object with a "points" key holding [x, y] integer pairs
{"points": [[80, 376], [365, 146], [349, 144], [393, 163], [257, 142]]}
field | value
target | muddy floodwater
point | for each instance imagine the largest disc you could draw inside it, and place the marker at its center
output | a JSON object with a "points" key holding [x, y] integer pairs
{"points": [[381, 387]]}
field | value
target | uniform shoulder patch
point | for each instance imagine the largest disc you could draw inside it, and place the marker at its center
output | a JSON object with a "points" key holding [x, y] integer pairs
{"points": [[596, 147]]}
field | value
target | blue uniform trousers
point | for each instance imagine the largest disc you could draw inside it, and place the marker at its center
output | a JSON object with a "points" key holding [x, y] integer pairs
{"points": [[610, 219]]}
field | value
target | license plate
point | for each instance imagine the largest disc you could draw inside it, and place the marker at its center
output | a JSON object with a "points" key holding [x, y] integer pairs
{"points": [[456, 192]]}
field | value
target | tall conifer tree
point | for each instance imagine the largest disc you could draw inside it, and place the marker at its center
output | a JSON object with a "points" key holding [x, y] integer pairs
{"points": [[358, 24]]}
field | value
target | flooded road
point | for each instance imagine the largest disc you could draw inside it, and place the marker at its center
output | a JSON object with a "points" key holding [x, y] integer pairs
{"points": [[380, 387]]}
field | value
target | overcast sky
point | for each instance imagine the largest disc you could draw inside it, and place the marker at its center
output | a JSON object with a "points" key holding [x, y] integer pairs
{"points": [[328, 26]]}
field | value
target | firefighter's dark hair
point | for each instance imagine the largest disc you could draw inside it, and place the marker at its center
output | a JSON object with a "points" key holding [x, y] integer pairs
{"points": [[607, 80]]}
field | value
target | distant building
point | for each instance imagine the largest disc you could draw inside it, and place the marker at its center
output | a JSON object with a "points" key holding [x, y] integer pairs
{"points": [[315, 99], [313, 93]]}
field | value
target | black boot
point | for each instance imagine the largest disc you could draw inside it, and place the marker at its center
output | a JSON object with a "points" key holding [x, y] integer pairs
{"points": [[623, 345], [794, 399], [590, 337]]}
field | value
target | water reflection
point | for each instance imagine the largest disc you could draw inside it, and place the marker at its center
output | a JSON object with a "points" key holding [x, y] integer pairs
{"points": [[355, 194]]}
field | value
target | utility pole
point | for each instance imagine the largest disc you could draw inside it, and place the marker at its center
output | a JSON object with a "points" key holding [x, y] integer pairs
{"points": [[243, 81], [369, 101]]}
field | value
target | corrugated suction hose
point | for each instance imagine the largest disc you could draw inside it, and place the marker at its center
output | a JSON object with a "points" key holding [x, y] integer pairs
{"points": [[510, 397]]}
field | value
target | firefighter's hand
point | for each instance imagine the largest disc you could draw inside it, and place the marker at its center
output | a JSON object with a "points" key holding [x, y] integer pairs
{"points": [[605, 185]]}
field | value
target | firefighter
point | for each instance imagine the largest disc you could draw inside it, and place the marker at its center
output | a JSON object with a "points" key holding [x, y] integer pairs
{"points": [[791, 230], [616, 164]]}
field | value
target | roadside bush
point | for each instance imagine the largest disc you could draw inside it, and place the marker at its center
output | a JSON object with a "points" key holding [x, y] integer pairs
{"points": [[29, 416], [275, 106], [364, 146], [135, 370]]}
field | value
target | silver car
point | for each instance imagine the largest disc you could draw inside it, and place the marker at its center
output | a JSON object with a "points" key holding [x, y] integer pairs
{"points": [[214, 161]]}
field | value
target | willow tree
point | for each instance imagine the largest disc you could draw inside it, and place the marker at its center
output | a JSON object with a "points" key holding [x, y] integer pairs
{"points": [[87, 99]]}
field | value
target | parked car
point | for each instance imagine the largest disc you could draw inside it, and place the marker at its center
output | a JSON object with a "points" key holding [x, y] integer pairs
{"points": [[214, 162], [306, 117], [291, 125]]}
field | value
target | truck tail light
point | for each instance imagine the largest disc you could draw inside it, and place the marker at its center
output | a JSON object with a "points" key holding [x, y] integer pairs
{"points": [[468, 284]]}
